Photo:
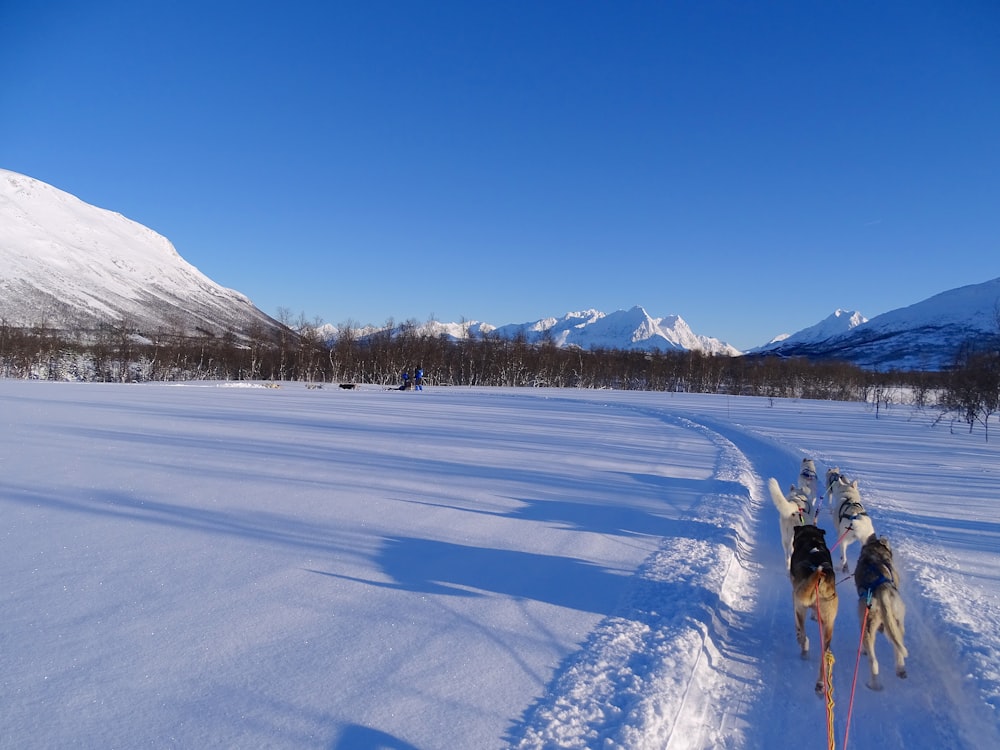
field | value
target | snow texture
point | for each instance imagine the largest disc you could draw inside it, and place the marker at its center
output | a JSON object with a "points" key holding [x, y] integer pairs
{"points": [[214, 565], [66, 263]]}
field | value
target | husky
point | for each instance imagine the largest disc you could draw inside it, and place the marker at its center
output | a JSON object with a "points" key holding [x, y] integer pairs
{"points": [[878, 589], [794, 509], [809, 480], [849, 515], [814, 586]]}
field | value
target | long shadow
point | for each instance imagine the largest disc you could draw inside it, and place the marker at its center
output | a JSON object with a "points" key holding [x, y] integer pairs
{"points": [[357, 737], [273, 528], [675, 497], [974, 535], [432, 567]]}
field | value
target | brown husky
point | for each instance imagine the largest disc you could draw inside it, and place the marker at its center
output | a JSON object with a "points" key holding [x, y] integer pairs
{"points": [[814, 585], [878, 587]]}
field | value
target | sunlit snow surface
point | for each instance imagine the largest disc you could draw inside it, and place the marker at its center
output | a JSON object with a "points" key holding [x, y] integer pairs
{"points": [[207, 566]]}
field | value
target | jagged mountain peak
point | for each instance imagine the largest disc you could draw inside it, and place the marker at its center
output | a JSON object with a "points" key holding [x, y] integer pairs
{"points": [[836, 324]]}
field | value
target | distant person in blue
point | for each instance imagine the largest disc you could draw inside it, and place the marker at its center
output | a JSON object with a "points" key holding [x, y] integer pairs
{"points": [[418, 379], [406, 381]]}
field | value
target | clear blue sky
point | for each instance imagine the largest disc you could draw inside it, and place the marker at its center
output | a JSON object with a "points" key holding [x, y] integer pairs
{"points": [[749, 166]]}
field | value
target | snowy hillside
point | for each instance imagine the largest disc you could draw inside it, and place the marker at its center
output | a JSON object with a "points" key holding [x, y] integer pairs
{"points": [[67, 264], [839, 323], [209, 566], [925, 335]]}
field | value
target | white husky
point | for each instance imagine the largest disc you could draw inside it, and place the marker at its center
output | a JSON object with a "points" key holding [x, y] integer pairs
{"points": [[808, 480], [850, 516], [795, 509]]}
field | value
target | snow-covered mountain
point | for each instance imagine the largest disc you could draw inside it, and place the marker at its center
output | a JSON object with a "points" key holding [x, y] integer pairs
{"points": [[925, 335], [838, 323], [631, 329], [69, 265]]}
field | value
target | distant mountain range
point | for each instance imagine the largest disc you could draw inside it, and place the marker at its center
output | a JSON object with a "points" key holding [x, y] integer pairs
{"points": [[69, 265], [631, 329]]}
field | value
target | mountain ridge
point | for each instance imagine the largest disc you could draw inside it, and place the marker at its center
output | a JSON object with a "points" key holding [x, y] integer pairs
{"points": [[67, 264]]}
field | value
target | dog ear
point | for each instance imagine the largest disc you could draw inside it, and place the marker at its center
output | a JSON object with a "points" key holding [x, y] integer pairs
{"points": [[872, 538], [854, 484], [885, 543]]}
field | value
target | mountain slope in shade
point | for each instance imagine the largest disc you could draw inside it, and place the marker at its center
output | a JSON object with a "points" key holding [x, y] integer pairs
{"points": [[925, 335], [67, 264], [838, 323]]}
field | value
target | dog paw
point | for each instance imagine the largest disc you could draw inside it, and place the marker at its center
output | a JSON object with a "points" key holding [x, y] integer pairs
{"points": [[819, 687], [901, 673], [874, 684]]}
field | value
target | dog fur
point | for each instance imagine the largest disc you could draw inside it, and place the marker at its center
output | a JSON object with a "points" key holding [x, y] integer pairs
{"points": [[814, 586], [794, 510], [809, 480], [876, 577], [850, 518]]}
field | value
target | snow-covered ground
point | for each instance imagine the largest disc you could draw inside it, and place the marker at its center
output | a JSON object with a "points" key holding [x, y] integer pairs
{"points": [[204, 566]]}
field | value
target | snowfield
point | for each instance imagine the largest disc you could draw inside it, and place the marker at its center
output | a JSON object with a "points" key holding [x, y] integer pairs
{"points": [[209, 566]]}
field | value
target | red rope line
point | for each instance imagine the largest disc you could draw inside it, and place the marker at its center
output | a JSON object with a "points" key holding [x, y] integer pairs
{"points": [[849, 527], [854, 682]]}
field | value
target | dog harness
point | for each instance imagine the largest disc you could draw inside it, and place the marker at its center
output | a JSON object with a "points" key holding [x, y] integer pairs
{"points": [[842, 514], [834, 478], [866, 592]]}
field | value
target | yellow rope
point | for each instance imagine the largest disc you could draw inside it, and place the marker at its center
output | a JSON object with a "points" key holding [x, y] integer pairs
{"points": [[828, 678]]}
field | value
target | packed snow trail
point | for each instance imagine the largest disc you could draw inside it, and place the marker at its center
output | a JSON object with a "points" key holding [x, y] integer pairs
{"points": [[709, 658]]}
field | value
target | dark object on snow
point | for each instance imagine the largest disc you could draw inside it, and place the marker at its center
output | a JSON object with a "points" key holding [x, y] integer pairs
{"points": [[348, 386]]}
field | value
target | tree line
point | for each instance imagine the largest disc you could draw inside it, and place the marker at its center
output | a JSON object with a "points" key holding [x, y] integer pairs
{"points": [[969, 391]]}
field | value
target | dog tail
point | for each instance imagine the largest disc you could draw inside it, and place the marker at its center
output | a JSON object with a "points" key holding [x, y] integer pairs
{"points": [[784, 506], [893, 612], [827, 582]]}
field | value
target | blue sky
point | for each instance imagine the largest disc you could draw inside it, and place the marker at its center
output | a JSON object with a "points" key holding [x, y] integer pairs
{"points": [[749, 166]]}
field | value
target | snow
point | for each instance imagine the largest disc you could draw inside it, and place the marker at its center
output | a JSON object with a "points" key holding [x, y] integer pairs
{"points": [[841, 322], [58, 252], [204, 565]]}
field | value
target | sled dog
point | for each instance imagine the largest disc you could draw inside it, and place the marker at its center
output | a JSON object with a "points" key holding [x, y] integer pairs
{"points": [[814, 586], [849, 515], [809, 480], [878, 589], [794, 510]]}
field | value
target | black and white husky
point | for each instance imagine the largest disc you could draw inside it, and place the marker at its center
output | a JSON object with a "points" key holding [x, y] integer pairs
{"points": [[878, 588]]}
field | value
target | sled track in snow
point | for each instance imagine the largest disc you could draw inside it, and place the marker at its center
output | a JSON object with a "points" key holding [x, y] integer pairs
{"points": [[703, 655], [663, 673]]}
